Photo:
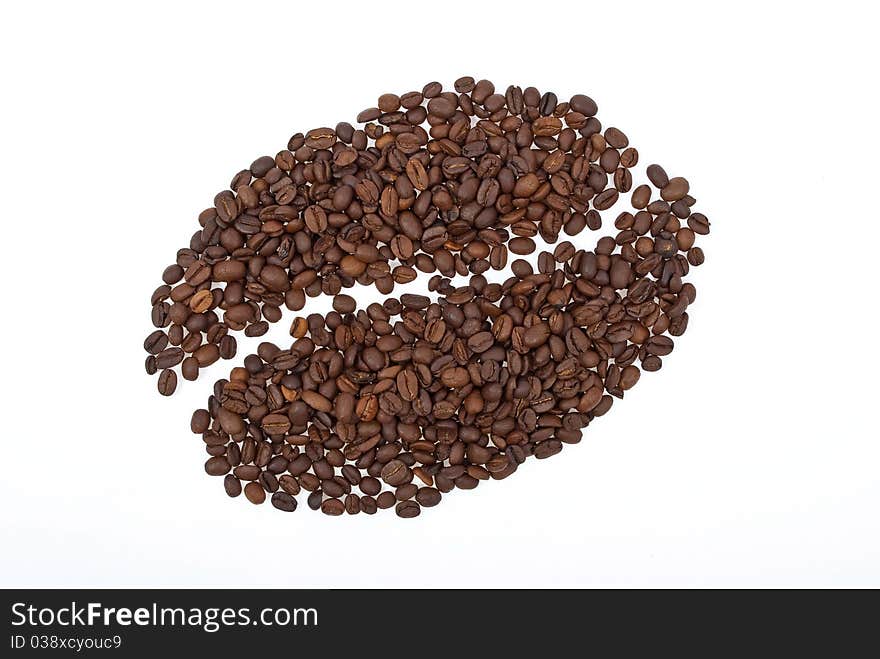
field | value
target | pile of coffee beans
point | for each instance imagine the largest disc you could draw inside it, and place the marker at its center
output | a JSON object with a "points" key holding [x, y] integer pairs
{"points": [[398, 403]]}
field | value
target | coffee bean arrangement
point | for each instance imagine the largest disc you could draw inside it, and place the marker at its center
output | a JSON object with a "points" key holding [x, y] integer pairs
{"points": [[396, 404]]}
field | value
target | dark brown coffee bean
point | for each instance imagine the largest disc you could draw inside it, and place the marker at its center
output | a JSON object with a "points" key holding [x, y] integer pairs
{"points": [[408, 509], [407, 385], [167, 382], [283, 501], [675, 189], [536, 335], [344, 304], [415, 301], [200, 422], [521, 246], [315, 400], [605, 199], [332, 507], [584, 105], [657, 176], [315, 499], [428, 497], [190, 368], [255, 493], [406, 491], [481, 341], [169, 357], [695, 256], [232, 485], [156, 342], [385, 500], [217, 466], [370, 486], [698, 223], [396, 473]]}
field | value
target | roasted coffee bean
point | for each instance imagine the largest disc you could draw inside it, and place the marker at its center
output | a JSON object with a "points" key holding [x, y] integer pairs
{"points": [[217, 466], [695, 256], [255, 493], [167, 382], [385, 500], [169, 357], [657, 176], [396, 473], [232, 485], [344, 303], [283, 501], [676, 188], [698, 223], [156, 342], [406, 491], [407, 509], [332, 507], [189, 368], [200, 422], [521, 246], [428, 497], [583, 105], [481, 341], [315, 499]]}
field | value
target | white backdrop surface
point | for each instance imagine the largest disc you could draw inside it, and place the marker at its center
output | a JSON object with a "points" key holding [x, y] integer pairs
{"points": [[751, 459]]}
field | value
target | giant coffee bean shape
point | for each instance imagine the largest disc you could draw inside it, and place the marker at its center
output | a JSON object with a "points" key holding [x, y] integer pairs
{"points": [[398, 403]]}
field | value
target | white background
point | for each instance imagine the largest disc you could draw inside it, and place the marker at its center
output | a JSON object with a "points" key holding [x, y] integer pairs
{"points": [[751, 459]]}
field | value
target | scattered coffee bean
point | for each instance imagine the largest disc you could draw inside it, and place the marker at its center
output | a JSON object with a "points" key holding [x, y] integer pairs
{"points": [[167, 382]]}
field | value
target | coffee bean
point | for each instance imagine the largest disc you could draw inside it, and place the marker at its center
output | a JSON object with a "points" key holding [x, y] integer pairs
{"points": [[695, 256], [536, 335], [232, 485], [283, 501], [200, 422], [167, 382], [254, 493], [464, 85], [201, 301], [408, 509], [675, 189], [217, 466], [207, 354], [396, 473], [344, 304], [315, 400], [481, 341], [169, 357], [385, 500], [657, 176], [415, 301], [156, 342], [584, 105], [332, 507], [407, 384], [406, 491], [455, 377], [698, 223], [315, 499], [428, 497], [521, 246]]}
